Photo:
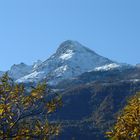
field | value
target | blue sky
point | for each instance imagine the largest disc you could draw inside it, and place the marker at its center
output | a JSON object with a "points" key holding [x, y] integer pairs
{"points": [[33, 29]]}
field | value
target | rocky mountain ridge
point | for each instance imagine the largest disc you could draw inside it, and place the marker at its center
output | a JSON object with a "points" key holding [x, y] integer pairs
{"points": [[70, 60], [94, 89]]}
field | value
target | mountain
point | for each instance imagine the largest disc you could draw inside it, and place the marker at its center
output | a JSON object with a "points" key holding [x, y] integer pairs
{"points": [[138, 65], [71, 59], [93, 100], [93, 88], [1, 73], [19, 70]]}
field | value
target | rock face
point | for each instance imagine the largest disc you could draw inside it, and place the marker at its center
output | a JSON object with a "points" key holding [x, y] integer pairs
{"points": [[71, 59], [93, 88], [19, 70]]}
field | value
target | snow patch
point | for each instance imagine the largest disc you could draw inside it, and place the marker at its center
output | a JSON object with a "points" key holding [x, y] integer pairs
{"points": [[107, 67], [67, 55], [135, 80], [34, 76], [36, 64]]}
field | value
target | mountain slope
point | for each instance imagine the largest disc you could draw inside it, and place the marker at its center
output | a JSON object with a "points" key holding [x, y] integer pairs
{"points": [[93, 100], [19, 70], [94, 89], [71, 59]]}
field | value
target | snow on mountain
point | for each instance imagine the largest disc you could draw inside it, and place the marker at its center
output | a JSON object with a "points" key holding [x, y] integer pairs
{"points": [[107, 67], [19, 70], [67, 55], [37, 63], [32, 77], [71, 59]]}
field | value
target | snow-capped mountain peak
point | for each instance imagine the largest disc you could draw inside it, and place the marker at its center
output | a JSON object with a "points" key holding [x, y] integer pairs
{"points": [[19, 70], [71, 59], [70, 45]]}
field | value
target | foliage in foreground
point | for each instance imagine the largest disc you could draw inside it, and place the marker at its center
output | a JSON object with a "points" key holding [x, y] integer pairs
{"points": [[23, 115], [127, 126]]}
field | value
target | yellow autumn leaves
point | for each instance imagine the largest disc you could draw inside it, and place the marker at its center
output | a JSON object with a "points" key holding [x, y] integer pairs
{"points": [[127, 126], [23, 115]]}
